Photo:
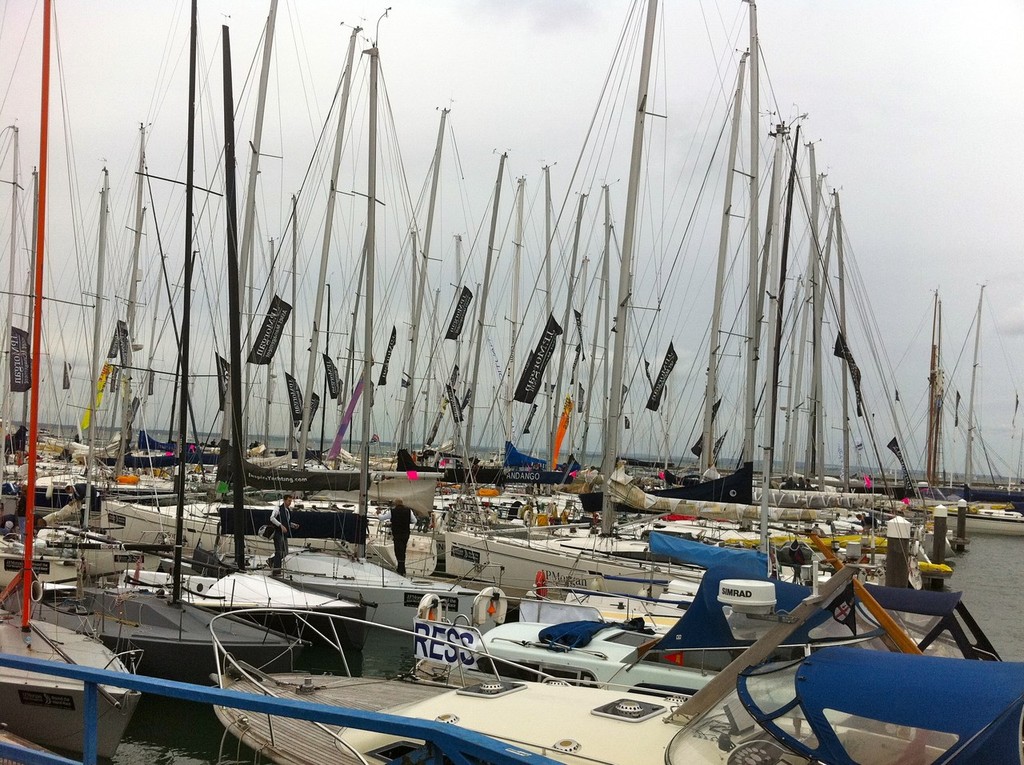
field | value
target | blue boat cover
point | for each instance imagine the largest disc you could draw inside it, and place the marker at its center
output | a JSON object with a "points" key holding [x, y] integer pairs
{"points": [[567, 635], [979, 702], [517, 459], [703, 624], [147, 443], [750, 563]]}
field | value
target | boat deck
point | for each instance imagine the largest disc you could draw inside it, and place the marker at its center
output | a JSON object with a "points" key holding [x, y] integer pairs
{"points": [[296, 742]]}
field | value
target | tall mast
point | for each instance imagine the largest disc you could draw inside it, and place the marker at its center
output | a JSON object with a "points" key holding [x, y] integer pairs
{"points": [[270, 363], [37, 332], [371, 243], [556, 411], [601, 319], [775, 345], [812, 455], [97, 341], [841, 266], [417, 313], [969, 461], [249, 214], [133, 296], [326, 246], [12, 277], [935, 392], [611, 428], [548, 302], [707, 454], [753, 300], [295, 279], [482, 311], [186, 311], [234, 306], [513, 319]]}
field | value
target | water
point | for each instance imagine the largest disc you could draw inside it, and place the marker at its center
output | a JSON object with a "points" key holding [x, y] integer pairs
{"points": [[168, 731]]}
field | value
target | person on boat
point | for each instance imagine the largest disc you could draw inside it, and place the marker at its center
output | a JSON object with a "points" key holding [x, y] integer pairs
{"points": [[401, 523], [21, 510], [281, 520]]}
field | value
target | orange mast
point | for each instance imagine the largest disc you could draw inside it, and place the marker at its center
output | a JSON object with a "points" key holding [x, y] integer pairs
{"points": [[37, 331]]}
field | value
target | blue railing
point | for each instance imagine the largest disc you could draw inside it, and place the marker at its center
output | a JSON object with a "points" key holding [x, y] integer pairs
{"points": [[443, 741]]}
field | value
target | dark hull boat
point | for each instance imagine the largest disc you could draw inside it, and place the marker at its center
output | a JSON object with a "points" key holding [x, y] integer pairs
{"points": [[169, 640], [736, 487]]}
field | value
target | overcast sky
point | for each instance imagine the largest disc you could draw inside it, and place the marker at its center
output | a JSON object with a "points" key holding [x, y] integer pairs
{"points": [[913, 109]]}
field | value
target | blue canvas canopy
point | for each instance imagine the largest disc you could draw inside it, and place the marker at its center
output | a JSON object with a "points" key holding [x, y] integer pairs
{"points": [[148, 443], [750, 563], [704, 625], [958, 711], [516, 458]]}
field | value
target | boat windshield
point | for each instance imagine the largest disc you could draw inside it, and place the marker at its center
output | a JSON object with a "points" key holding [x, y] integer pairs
{"points": [[770, 694]]}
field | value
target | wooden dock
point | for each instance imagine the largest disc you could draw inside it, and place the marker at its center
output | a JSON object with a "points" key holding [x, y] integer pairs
{"points": [[290, 741]]}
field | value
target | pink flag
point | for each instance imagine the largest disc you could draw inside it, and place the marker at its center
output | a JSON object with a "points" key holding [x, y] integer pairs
{"points": [[867, 481], [412, 475]]}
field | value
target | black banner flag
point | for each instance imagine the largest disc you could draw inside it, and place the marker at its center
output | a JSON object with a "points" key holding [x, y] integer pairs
{"points": [[842, 350], [459, 317], [654, 400], [67, 376], [530, 382], [452, 396], [294, 398], [894, 447], [223, 373], [269, 336], [314, 404], [119, 343], [387, 358], [529, 419], [333, 386], [21, 361]]}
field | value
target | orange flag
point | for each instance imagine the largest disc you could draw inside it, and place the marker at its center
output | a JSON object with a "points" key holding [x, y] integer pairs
{"points": [[563, 425]]}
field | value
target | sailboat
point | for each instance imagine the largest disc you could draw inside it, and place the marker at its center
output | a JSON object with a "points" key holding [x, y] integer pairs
{"points": [[45, 709]]}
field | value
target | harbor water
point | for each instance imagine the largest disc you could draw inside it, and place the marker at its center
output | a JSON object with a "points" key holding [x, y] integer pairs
{"points": [[169, 731]]}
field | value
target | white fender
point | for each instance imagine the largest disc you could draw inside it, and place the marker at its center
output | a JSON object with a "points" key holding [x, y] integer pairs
{"points": [[490, 603], [429, 608]]}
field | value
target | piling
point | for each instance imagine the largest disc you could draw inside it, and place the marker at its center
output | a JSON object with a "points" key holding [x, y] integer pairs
{"points": [[940, 517], [897, 554], [960, 543]]}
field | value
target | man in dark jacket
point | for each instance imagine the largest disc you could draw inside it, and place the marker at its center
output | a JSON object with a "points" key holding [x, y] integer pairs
{"points": [[281, 520], [401, 522]]}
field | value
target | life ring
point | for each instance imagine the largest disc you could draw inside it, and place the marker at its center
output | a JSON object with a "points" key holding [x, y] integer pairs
{"points": [[540, 584], [428, 608], [36, 590], [490, 603]]}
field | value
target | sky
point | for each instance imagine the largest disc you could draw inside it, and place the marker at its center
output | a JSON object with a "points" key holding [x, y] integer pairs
{"points": [[910, 107]]}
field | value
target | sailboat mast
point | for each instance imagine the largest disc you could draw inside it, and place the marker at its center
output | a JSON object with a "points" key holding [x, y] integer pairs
{"points": [[934, 394], [611, 428], [249, 213], [482, 312], [601, 319], [186, 312], [841, 266], [548, 303], [326, 247], [566, 318], [97, 331], [753, 301], [417, 313], [133, 296], [969, 461], [37, 331], [295, 279], [12, 275], [513, 319], [707, 455], [812, 456], [234, 307], [371, 243]]}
